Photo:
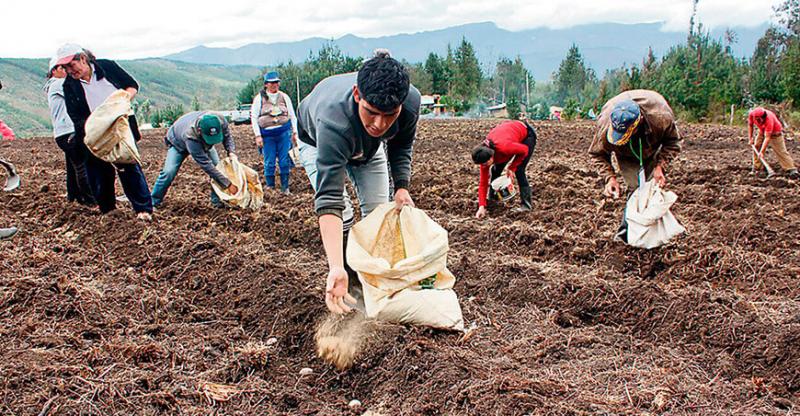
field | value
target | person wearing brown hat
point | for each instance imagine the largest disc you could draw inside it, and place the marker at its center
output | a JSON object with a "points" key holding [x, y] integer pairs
{"points": [[638, 126], [770, 133]]}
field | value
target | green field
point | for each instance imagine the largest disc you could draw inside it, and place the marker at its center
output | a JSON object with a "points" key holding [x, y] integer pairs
{"points": [[23, 105]]}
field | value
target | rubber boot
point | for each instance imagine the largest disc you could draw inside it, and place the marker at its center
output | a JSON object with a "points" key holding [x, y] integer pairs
{"points": [[285, 183], [525, 199], [6, 233]]}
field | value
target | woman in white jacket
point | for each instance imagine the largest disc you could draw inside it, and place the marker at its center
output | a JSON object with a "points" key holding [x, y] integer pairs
{"points": [[78, 188], [275, 127]]}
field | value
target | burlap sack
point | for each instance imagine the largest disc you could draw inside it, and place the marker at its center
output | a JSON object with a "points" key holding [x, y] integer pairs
{"points": [[401, 261], [108, 131]]}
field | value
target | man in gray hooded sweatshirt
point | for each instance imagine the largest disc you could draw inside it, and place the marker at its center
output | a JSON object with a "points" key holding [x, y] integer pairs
{"points": [[344, 126]]}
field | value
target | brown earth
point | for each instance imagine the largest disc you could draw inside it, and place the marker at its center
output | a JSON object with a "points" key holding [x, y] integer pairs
{"points": [[114, 317]]}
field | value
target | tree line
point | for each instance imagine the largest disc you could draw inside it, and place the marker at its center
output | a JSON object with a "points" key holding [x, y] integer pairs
{"points": [[701, 78]]}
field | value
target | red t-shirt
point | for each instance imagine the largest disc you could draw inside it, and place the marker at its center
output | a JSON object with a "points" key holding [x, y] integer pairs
{"points": [[771, 124], [507, 138]]}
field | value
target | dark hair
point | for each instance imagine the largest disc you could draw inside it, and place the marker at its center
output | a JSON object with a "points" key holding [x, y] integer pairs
{"points": [[481, 153], [383, 81]]}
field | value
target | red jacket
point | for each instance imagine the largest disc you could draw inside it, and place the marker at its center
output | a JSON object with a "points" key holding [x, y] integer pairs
{"points": [[6, 132], [770, 126], [507, 138]]}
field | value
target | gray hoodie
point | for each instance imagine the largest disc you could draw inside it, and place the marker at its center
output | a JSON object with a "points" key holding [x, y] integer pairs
{"points": [[62, 124], [185, 138], [328, 120]]}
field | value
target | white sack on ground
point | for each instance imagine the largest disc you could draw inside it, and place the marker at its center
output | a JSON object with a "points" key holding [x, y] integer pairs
{"points": [[401, 261], [648, 218], [108, 131], [251, 193]]}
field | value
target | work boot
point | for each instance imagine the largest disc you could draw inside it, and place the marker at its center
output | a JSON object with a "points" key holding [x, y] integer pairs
{"points": [[285, 183], [525, 199], [6, 233], [792, 174]]}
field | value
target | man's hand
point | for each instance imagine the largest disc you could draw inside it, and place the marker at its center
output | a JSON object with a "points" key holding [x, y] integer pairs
{"points": [[658, 175], [750, 140], [510, 174], [233, 156], [402, 197], [336, 291], [259, 142], [481, 212], [294, 139], [612, 188], [9, 138], [232, 189], [131, 92]]}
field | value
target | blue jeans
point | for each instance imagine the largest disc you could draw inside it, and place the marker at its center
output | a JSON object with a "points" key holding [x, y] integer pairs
{"points": [[370, 180], [171, 165], [277, 147]]}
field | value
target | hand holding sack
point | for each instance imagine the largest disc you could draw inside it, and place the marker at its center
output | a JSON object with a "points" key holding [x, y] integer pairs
{"points": [[250, 192], [647, 221], [401, 261], [108, 131]]}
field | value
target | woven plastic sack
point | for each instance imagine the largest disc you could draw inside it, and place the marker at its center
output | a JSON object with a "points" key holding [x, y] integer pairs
{"points": [[251, 193], [108, 131], [648, 221], [401, 261]]}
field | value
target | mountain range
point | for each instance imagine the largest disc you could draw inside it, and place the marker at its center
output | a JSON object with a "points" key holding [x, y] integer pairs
{"points": [[604, 46]]}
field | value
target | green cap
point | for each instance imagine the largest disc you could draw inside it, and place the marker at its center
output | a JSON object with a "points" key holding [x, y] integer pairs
{"points": [[211, 128]]}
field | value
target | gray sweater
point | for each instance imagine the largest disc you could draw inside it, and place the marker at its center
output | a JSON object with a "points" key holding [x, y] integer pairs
{"points": [[185, 138], [328, 120], [62, 124]]}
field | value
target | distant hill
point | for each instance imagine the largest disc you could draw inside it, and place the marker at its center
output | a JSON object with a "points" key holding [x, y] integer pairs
{"points": [[24, 107], [604, 46]]}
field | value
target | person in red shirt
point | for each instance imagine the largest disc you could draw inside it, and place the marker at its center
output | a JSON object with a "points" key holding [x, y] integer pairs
{"points": [[510, 139], [770, 133]]}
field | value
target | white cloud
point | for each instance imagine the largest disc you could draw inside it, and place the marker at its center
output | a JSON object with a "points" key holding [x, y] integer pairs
{"points": [[145, 28]]}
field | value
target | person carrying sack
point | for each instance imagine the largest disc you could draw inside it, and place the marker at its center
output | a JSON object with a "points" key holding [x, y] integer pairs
{"points": [[510, 143], [638, 126], [91, 81], [275, 127], [195, 134], [770, 133], [344, 125]]}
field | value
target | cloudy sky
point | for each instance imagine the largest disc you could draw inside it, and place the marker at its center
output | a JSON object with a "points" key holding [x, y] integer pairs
{"points": [[145, 28]]}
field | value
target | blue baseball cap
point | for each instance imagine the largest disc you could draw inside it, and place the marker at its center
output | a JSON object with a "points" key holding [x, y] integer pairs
{"points": [[272, 77], [624, 119]]}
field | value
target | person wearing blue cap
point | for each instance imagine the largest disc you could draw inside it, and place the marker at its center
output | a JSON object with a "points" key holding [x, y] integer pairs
{"points": [[195, 134], [275, 127], [638, 126]]}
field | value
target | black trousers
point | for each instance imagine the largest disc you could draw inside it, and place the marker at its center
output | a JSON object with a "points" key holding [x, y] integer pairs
{"points": [[76, 153], [522, 178]]}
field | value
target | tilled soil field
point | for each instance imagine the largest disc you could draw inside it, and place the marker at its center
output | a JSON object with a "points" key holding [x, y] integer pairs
{"points": [[110, 316]]}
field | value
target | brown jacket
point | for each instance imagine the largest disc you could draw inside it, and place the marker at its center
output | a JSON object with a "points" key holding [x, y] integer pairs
{"points": [[657, 132]]}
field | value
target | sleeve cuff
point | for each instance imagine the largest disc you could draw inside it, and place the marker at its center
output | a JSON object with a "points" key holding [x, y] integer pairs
{"points": [[333, 211], [401, 184]]}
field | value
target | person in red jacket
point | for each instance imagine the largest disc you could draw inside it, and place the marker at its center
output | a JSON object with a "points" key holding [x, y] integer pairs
{"points": [[770, 133], [510, 139]]}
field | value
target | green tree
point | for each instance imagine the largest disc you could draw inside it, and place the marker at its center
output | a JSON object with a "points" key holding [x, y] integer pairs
{"points": [[764, 82], [436, 68], [467, 73], [572, 77]]}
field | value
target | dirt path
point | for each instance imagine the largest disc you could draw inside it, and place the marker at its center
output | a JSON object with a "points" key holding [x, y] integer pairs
{"points": [[109, 316]]}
